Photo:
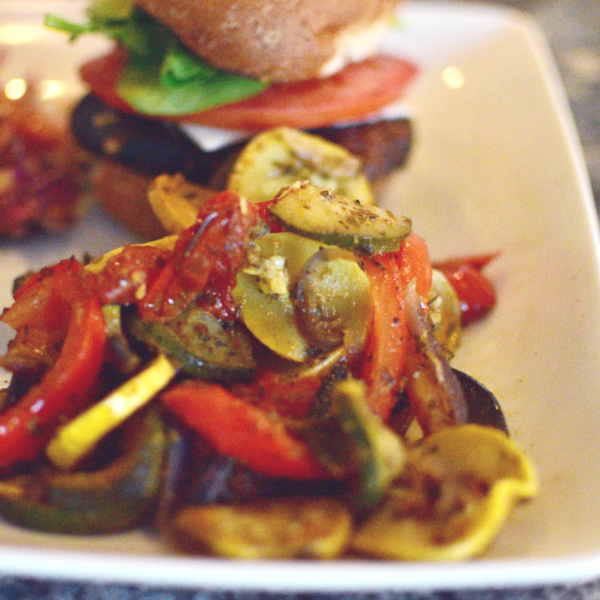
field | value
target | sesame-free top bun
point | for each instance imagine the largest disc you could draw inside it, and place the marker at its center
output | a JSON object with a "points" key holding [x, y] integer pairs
{"points": [[275, 40]]}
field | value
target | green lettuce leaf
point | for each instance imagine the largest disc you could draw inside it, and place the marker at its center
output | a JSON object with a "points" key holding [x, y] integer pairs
{"points": [[161, 77]]}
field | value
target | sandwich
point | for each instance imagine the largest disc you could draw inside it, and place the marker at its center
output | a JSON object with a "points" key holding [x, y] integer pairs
{"points": [[189, 81]]}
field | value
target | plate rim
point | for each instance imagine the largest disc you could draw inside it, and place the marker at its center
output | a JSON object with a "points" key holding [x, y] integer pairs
{"points": [[181, 571]]}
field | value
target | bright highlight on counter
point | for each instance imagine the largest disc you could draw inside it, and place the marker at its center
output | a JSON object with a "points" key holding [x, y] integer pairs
{"points": [[15, 89], [20, 34], [453, 77], [52, 88], [47, 89]]}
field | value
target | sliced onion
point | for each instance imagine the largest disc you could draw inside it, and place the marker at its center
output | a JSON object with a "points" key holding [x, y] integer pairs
{"points": [[434, 392]]}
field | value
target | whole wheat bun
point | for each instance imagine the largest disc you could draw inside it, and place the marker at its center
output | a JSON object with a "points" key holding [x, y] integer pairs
{"points": [[273, 40]]}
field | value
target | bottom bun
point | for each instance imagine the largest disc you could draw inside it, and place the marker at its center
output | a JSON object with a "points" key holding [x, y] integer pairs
{"points": [[123, 193]]}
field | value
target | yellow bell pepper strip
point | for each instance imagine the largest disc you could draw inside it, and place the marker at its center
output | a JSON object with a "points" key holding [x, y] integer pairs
{"points": [[54, 297], [78, 437]]}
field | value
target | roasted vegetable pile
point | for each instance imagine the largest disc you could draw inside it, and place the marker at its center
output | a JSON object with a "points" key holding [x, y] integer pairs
{"points": [[270, 381]]}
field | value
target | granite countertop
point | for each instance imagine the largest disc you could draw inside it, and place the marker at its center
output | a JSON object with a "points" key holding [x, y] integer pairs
{"points": [[573, 30]]}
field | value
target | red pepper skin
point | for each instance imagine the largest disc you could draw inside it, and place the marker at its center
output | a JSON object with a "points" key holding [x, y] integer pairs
{"points": [[385, 352], [413, 262], [39, 302], [236, 428], [282, 393], [474, 290], [205, 261], [129, 272], [265, 214], [64, 389]]}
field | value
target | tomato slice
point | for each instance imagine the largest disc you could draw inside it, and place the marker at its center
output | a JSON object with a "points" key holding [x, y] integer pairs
{"points": [[205, 261], [125, 275], [101, 75], [355, 92]]}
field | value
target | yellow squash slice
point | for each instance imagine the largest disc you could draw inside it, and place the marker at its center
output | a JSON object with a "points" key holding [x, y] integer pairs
{"points": [[279, 157], [79, 436], [175, 201], [477, 475], [276, 528]]}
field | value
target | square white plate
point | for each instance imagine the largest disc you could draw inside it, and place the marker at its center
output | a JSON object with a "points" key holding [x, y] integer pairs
{"points": [[496, 166]]}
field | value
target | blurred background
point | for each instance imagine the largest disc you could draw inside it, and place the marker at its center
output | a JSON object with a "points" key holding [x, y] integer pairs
{"points": [[573, 31]]}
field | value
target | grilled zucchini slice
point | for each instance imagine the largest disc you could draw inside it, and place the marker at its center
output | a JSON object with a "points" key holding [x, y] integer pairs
{"points": [[199, 345], [355, 445], [274, 528], [110, 498], [320, 214]]}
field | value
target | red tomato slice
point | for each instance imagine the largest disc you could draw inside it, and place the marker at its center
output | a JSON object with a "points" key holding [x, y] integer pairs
{"points": [[205, 261], [355, 92], [129, 272], [101, 76]]}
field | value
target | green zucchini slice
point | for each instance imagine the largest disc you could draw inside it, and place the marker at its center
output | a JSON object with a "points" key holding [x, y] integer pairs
{"points": [[355, 445], [199, 345], [111, 498], [320, 214]]}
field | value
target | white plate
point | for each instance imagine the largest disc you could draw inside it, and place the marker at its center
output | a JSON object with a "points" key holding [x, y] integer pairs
{"points": [[496, 166]]}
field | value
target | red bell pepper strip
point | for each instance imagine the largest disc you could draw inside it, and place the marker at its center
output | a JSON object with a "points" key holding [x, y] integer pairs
{"points": [[413, 261], [385, 351], [64, 389], [474, 290], [205, 261], [236, 428], [37, 303], [283, 393]]}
